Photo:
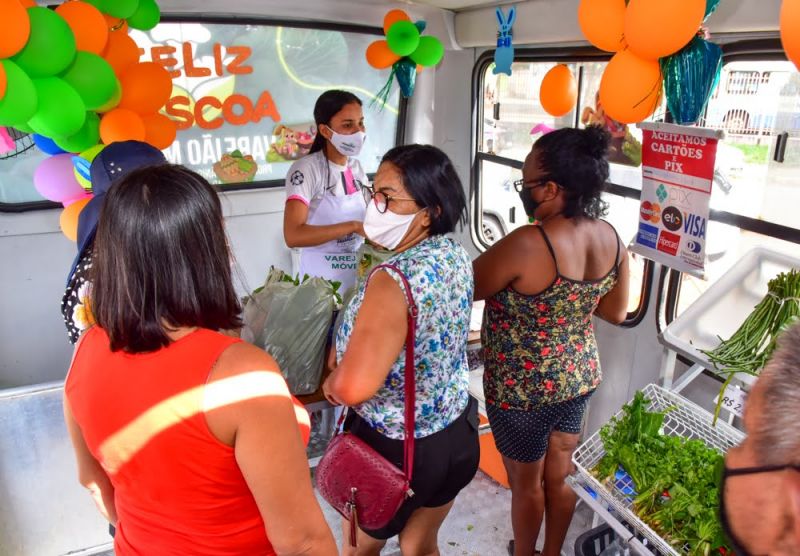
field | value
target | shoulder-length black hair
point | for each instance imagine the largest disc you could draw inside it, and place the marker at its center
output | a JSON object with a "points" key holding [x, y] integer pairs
{"points": [[327, 106], [161, 259], [575, 159], [430, 178]]}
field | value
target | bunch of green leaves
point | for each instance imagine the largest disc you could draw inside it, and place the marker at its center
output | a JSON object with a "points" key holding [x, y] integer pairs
{"points": [[751, 346], [281, 276], [675, 479]]}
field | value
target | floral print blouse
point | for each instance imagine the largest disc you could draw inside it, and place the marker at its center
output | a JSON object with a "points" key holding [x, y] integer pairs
{"points": [[540, 349], [439, 272], [75, 304]]}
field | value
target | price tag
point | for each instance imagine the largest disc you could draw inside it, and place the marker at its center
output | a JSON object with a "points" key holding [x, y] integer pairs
{"points": [[733, 400]]}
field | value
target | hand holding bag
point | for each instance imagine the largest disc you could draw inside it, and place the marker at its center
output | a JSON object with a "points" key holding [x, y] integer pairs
{"points": [[356, 480]]}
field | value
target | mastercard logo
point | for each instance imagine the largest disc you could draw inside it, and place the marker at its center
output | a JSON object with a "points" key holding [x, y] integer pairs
{"points": [[650, 212]]}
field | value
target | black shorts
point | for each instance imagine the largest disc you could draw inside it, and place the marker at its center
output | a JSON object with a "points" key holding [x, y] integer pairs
{"points": [[523, 435], [444, 463]]}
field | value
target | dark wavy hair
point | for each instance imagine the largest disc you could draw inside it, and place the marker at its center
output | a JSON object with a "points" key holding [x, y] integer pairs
{"points": [[575, 159], [161, 259], [327, 106], [430, 178]]}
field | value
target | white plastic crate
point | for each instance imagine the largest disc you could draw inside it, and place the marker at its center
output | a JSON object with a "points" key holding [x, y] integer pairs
{"points": [[687, 420]]}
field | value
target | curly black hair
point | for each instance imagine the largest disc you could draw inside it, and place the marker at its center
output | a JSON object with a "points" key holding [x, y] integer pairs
{"points": [[575, 159]]}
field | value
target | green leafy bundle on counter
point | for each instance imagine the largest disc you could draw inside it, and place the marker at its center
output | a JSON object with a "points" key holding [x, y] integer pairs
{"points": [[751, 346], [675, 478]]}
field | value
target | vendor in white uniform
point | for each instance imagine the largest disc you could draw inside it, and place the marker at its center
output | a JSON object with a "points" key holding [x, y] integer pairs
{"points": [[324, 204]]}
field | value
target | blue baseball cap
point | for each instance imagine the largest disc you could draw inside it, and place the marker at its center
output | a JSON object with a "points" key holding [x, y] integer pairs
{"points": [[113, 163]]}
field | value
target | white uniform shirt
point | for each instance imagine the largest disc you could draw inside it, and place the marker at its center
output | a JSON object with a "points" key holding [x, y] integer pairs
{"points": [[314, 175]]}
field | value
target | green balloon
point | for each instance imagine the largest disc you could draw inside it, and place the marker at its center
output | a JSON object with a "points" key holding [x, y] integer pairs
{"points": [[61, 111], [88, 136], [25, 128], [403, 38], [122, 9], [19, 103], [429, 52], [93, 78], [51, 46], [114, 100], [146, 16]]}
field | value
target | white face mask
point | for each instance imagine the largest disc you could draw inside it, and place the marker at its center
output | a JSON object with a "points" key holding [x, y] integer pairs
{"points": [[387, 229], [348, 145]]}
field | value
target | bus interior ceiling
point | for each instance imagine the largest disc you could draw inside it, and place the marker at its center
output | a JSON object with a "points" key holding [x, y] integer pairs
{"points": [[443, 111]]}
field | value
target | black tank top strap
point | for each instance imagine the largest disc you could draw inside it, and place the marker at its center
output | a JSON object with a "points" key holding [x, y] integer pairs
{"points": [[616, 235], [550, 248]]}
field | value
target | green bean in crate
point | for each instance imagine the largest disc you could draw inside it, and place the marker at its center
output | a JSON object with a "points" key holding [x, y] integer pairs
{"points": [[750, 347]]}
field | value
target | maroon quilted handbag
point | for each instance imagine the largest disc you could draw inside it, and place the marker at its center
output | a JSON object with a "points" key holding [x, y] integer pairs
{"points": [[356, 480]]}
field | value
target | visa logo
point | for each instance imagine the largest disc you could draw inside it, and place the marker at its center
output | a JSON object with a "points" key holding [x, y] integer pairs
{"points": [[694, 225]]}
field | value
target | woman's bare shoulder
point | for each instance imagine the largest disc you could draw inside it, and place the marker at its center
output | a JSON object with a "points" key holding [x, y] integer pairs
{"points": [[242, 357]]}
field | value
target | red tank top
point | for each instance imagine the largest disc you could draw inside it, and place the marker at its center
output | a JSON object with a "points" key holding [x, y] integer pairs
{"points": [[178, 489]]}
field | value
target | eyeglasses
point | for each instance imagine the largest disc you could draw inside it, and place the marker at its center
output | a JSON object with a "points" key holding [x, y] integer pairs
{"points": [[380, 198], [519, 185]]}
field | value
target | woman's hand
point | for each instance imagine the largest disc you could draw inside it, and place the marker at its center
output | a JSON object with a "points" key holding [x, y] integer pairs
{"points": [[358, 228]]}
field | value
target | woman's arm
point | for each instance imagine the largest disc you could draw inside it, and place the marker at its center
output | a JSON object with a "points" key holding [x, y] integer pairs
{"points": [[501, 264], [90, 474], [297, 233], [614, 305], [253, 411], [379, 334]]}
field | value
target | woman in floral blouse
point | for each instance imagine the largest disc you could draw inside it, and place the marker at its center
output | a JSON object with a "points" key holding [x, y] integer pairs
{"points": [[542, 284], [416, 200]]}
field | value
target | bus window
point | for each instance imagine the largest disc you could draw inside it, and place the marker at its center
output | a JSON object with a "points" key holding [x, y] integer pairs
{"points": [[757, 103], [249, 88], [511, 118]]}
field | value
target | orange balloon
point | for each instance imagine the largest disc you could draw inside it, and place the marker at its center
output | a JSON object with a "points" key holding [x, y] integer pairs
{"points": [[380, 56], [159, 130], [146, 87], [28, 3], [655, 28], [392, 17], [559, 91], [790, 30], [69, 218], [114, 24], [88, 25], [630, 89], [3, 81], [603, 23], [121, 124], [15, 27], [120, 51]]}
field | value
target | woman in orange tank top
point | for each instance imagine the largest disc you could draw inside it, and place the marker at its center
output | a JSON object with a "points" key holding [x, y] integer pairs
{"points": [[187, 439]]}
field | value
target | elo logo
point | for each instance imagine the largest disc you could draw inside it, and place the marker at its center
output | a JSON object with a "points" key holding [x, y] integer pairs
{"points": [[672, 219], [650, 212], [694, 246], [668, 242]]}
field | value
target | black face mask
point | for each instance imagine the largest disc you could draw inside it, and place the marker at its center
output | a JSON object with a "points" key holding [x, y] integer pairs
{"points": [[733, 540], [528, 202]]}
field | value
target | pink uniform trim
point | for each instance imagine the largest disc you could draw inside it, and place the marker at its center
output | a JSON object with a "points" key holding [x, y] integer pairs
{"points": [[298, 198]]}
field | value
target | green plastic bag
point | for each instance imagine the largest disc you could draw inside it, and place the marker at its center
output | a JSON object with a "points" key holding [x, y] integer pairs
{"points": [[290, 320]]}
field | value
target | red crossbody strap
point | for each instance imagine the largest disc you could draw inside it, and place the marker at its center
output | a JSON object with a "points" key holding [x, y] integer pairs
{"points": [[410, 384]]}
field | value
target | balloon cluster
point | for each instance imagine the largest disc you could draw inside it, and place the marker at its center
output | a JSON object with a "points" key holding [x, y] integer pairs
{"points": [[790, 30], [72, 78], [658, 50], [404, 50]]}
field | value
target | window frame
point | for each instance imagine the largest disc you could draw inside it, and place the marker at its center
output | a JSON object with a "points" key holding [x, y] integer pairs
{"points": [[577, 54], [740, 51], [400, 131]]}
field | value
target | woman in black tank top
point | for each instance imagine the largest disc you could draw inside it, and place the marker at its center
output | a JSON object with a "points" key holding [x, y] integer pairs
{"points": [[542, 285]]}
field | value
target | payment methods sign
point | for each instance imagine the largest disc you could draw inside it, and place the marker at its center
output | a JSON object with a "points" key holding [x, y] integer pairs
{"points": [[677, 175]]}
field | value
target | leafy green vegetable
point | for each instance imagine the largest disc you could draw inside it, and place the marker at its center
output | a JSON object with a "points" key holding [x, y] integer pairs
{"points": [[751, 346], [675, 478]]}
